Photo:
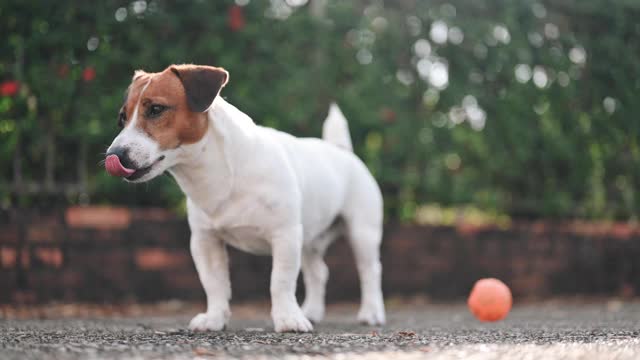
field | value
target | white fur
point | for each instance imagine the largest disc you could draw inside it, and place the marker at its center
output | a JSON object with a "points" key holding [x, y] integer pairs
{"points": [[336, 129], [267, 192]]}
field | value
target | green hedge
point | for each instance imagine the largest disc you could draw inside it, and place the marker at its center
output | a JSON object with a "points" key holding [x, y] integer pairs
{"points": [[518, 107]]}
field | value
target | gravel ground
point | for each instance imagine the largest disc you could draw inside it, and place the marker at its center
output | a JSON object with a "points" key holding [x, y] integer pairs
{"points": [[550, 331]]}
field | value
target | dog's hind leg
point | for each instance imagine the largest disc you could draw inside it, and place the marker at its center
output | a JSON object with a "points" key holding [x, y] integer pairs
{"points": [[365, 238], [315, 272]]}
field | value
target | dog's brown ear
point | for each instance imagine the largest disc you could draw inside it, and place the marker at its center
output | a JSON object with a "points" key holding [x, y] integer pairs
{"points": [[201, 84]]}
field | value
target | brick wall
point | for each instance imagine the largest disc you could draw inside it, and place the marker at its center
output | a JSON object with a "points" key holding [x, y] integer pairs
{"points": [[117, 254]]}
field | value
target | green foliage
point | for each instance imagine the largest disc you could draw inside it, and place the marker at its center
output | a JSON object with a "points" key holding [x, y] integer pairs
{"points": [[522, 107]]}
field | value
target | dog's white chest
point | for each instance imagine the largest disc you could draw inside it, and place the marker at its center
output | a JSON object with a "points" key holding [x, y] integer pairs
{"points": [[246, 238], [239, 222]]}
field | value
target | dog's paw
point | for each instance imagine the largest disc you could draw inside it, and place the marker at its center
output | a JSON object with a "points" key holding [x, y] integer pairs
{"points": [[293, 321], [208, 322], [313, 312], [372, 315]]}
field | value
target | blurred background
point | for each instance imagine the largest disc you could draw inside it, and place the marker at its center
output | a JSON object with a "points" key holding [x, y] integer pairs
{"points": [[504, 135]]}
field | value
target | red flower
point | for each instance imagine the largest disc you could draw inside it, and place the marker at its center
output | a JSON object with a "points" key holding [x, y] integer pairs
{"points": [[388, 115], [236, 18], [88, 74], [63, 70], [9, 88]]}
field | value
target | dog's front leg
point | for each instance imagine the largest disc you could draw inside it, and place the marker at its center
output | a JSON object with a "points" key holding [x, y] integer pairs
{"points": [[287, 251], [210, 257]]}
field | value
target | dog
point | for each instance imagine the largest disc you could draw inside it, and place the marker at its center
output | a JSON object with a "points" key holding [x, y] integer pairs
{"points": [[254, 188]]}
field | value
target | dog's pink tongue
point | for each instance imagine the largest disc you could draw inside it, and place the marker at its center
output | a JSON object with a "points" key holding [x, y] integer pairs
{"points": [[115, 168]]}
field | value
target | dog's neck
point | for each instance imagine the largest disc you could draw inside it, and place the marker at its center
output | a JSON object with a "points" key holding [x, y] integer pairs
{"points": [[206, 170]]}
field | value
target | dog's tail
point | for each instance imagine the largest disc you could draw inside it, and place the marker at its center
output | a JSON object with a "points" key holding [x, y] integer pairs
{"points": [[336, 129]]}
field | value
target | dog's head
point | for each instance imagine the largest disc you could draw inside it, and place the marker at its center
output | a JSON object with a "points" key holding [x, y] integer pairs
{"points": [[162, 112]]}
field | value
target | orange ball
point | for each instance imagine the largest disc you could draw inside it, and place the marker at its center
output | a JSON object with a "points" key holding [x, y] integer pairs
{"points": [[490, 300]]}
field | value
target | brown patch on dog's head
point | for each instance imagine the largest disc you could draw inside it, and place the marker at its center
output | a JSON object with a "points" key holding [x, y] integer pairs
{"points": [[172, 104]]}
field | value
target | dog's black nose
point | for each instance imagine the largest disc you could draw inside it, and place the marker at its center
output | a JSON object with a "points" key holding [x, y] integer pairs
{"points": [[123, 154]]}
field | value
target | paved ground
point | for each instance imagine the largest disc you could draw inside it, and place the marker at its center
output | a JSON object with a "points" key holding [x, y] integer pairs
{"points": [[543, 331]]}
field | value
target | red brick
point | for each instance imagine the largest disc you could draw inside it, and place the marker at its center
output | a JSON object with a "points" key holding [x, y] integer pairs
{"points": [[42, 234], [43, 228], [152, 214], [55, 279], [549, 265], [97, 236], [431, 263], [159, 258], [71, 278], [519, 264], [49, 256], [562, 248], [622, 231], [26, 259], [98, 260], [590, 229], [22, 297], [467, 229], [627, 291], [9, 234], [8, 285], [539, 227], [529, 285], [539, 245], [105, 218], [8, 257], [182, 280]]}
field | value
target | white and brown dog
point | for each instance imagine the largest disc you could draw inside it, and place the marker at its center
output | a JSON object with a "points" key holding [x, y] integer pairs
{"points": [[255, 188]]}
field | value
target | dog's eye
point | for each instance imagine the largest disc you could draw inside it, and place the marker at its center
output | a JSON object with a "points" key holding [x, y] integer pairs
{"points": [[121, 119], [155, 110]]}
